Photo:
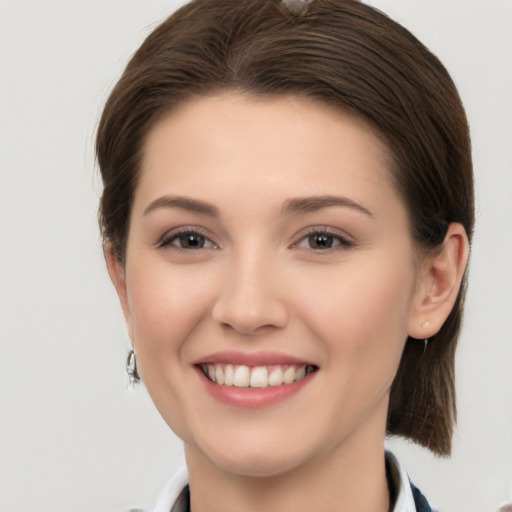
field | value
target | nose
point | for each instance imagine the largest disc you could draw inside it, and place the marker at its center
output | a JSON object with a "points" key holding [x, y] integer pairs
{"points": [[252, 297]]}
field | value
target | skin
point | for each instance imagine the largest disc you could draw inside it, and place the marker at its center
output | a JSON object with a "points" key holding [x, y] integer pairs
{"points": [[258, 281]]}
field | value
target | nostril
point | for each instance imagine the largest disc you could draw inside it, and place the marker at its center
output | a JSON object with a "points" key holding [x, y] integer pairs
{"points": [[245, 328], [248, 319]]}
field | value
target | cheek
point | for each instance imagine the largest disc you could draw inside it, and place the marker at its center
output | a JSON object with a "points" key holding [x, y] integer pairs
{"points": [[166, 304], [362, 309], [166, 308]]}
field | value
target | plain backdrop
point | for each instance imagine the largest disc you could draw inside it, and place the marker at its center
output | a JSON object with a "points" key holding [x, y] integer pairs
{"points": [[72, 439]]}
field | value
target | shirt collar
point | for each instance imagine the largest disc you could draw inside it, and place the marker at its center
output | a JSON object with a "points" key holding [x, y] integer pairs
{"points": [[174, 496], [400, 483]]}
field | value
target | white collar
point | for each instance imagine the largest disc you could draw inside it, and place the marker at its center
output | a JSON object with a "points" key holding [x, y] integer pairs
{"points": [[404, 498], [170, 493]]}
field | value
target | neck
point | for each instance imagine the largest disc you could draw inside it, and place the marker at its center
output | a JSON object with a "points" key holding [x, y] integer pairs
{"points": [[346, 478]]}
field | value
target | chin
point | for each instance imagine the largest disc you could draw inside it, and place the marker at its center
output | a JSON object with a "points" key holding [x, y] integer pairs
{"points": [[259, 465], [251, 461]]}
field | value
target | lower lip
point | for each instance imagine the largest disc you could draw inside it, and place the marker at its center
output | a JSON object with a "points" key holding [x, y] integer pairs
{"points": [[253, 398]]}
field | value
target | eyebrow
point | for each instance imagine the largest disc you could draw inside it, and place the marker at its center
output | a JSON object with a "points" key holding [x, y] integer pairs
{"points": [[315, 203], [291, 206], [183, 203]]}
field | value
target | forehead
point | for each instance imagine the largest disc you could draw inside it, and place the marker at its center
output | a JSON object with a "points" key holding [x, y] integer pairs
{"points": [[211, 115], [270, 146]]}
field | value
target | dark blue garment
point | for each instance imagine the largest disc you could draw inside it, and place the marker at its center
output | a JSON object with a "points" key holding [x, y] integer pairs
{"points": [[419, 500]]}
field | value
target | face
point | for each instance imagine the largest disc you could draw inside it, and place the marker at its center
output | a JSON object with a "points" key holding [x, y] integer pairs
{"points": [[269, 281]]}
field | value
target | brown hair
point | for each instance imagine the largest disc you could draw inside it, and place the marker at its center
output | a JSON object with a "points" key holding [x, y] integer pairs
{"points": [[346, 54]]}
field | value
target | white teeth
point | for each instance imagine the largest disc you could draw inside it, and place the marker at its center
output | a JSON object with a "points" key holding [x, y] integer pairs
{"points": [[229, 375], [276, 377], [219, 375], [289, 375], [300, 373], [259, 377], [242, 376]]}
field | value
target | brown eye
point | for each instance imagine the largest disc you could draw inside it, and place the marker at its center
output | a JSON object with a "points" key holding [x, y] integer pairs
{"points": [[323, 241], [320, 241], [188, 240]]}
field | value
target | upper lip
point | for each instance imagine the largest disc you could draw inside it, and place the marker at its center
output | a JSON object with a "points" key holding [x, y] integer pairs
{"points": [[263, 358]]}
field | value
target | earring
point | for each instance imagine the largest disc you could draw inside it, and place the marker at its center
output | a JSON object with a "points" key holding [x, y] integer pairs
{"points": [[425, 324], [131, 370]]}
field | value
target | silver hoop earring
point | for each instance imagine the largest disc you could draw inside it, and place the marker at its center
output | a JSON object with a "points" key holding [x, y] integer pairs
{"points": [[131, 370], [426, 345]]}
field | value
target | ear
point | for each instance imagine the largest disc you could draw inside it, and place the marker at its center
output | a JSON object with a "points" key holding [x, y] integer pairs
{"points": [[440, 279], [117, 272]]}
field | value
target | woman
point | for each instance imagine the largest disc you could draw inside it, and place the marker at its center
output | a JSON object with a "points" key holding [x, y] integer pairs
{"points": [[287, 211]]}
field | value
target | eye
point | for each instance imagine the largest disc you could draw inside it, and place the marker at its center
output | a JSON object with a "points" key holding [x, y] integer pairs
{"points": [[321, 240], [187, 240]]}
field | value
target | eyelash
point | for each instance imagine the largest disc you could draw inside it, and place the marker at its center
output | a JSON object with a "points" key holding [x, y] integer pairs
{"points": [[179, 235], [339, 241], [335, 241]]}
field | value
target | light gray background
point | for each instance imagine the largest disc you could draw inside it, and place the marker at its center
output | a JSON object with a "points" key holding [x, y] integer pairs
{"points": [[71, 437]]}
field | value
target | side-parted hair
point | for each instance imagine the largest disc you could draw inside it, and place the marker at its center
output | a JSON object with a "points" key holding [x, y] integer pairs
{"points": [[341, 53]]}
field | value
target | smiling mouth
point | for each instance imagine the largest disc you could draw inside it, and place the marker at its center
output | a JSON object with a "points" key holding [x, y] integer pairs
{"points": [[242, 376]]}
